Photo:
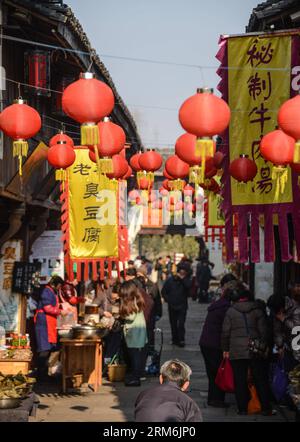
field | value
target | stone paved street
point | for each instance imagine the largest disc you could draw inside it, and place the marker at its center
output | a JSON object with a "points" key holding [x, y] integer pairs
{"points": [[115, 402]]}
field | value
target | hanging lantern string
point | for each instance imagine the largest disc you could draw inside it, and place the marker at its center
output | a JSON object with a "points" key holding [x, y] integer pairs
{"points": [[19, 91], [145, 60]]}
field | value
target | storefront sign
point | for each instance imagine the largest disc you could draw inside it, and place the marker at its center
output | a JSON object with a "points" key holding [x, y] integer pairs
{"points": [[24, 276]]}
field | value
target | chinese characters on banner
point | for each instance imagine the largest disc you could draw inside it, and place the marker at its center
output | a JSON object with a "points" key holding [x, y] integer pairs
{"points": [[9, 302], [257, 87], [258, 74]]}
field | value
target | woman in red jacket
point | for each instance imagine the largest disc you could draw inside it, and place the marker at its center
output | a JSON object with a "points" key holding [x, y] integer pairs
{"points": [[45, 319]]}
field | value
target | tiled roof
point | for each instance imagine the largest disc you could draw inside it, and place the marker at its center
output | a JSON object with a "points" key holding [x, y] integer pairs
{"points": [[273, 12]]}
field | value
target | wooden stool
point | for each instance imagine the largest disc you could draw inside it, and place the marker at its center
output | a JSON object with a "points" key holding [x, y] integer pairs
{"points": [[82, 356]]}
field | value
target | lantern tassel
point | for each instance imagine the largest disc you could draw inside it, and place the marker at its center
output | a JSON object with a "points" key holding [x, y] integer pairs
{"points": [[20, 148], [297, 153], [106, 165], [89, 135], [61, 175], [241, 187], [280, 176]]}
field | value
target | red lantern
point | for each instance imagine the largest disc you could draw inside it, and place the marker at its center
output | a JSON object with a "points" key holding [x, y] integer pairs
{"points": [[134, 162], [167, 175], [20, 122], [243, 169], [144, 184], [289, 122], [218, 159], [112, 142], [150, 160], [210, 170], [166, 185], [120, 167], [37, 72], [61, 156], [87, 101], [204, 115], [61, 138], [278, 147], [176, 167], [128, 174]]}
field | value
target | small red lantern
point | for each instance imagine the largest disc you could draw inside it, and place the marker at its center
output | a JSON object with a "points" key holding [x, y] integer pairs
{"points": [[204, 115], [218, 159], [289, 122], [61, 138], [278, 147], [87, 101], [178, 169], [185, 150], [112, 142], [20, 122], [144, 184], [134, 162], [37, 72], [61, 156], [120, 167], [211, 170], [243, 170], [128, 174], [166, 185], [149, 162]]}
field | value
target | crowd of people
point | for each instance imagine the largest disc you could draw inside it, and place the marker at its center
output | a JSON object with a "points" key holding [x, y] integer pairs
{"points": [[251, 334]]}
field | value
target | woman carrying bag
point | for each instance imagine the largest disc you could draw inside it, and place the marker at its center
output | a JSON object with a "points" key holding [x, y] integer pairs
{"points": [[135, 330], [244, 335]]}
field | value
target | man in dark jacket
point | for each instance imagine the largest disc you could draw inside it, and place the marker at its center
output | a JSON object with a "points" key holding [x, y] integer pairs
{"points": [[175, 292], [203, 277], [168, 401]]}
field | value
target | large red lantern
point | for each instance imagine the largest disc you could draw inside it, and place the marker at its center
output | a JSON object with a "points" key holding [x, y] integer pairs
{"points": [[20, 122], [204, 115], [243, 170], [120, 167], [87, 101], [112, 142], [278, 147], [289, 122], [61, 156]]}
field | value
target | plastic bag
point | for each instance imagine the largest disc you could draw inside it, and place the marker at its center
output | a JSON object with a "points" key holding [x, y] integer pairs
{"points": [[280, 381], [254, 405]]}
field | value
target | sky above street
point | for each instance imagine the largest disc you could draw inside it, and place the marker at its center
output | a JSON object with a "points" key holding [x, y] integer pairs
{"points": [[175, 31]]}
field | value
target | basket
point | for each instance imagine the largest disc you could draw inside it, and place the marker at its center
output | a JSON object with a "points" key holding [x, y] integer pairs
{"points": [[116, 372]]}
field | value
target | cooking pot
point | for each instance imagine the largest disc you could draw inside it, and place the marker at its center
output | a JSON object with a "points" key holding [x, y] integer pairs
{"points": [[85, 331], [92, 309]]}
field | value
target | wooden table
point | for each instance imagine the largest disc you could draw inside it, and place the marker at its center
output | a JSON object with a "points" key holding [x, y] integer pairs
{"points": [[14, 366], [82, 356]]}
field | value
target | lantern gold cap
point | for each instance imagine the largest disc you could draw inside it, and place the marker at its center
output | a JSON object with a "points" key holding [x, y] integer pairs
{"points": [[87, 75], [20, 101], [106, 119], [243, 155], [206, 90]]}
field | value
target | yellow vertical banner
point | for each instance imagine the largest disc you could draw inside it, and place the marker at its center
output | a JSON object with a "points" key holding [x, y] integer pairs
{"points": [[258, 83], [215, 215], [93, 215]]}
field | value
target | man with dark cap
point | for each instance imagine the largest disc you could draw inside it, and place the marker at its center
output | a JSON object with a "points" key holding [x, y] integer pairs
{"points": [[175, 292]]}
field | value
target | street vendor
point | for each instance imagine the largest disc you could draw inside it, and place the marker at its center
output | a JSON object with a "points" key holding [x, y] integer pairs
{"points": [[46, 315]]}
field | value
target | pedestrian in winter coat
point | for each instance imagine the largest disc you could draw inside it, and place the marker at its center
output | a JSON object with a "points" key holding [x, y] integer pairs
{"points": [[244, 320], [135, 330], [175, 292], [168, 402], [210, 344]]}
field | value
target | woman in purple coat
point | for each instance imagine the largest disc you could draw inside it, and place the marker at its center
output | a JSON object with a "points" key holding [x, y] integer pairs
{"points": [[210, 342]]}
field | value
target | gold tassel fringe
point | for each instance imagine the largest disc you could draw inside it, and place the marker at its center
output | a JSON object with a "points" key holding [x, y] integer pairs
{"points": [[20, 148], [204, 147], [176, 185], [197, 173], [297, 153], [280, 175], [241, 187], [106, 165], [89, 135], [61, 175]]}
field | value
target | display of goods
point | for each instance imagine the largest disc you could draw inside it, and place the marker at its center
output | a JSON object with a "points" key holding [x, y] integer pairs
{"points": [[15, 386], [23, 354]]}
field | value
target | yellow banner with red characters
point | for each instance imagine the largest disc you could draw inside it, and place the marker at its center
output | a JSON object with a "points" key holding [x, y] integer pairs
{"points": [[93, 217], [258, 83]]}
